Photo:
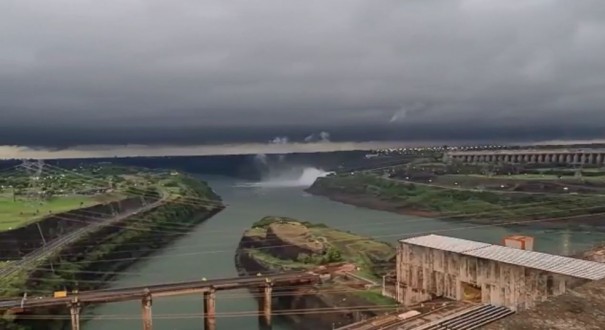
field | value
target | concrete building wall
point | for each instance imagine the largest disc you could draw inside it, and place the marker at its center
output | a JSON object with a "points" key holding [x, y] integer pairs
{"points": [[424, 273], [562, 156]]}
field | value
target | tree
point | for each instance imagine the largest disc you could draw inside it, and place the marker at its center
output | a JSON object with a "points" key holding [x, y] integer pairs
{"points": [[332, 255]]}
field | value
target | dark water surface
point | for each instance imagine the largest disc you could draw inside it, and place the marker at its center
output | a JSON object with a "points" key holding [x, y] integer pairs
{"points": [[208, 251]]}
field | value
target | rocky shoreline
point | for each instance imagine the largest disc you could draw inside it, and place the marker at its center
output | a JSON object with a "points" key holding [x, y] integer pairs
{"points": [[371, 203]]}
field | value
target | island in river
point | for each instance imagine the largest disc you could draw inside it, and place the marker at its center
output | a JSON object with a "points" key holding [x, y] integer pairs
{"points": [[352, 268]]}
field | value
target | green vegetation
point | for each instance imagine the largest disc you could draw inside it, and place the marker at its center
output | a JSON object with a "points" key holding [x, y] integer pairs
{"points": [[355, 263], [270, 261], [375, 297], [331, 255], [369, 256], [490, 206], [266, 221], [25, 198], [20, 212], [89, 262], [564, 176]]}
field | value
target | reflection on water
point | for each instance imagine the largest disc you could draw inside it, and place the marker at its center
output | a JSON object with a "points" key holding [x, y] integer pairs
{"points": [[208, 251]]}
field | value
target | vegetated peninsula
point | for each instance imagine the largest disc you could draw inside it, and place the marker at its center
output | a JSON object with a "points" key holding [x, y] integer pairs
{"points": [[353, 267], [494, 198], [121, 213]]}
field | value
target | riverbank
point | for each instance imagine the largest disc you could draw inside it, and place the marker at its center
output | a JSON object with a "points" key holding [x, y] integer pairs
{"points": [[95, 259], [351, 265], [474, 206]]}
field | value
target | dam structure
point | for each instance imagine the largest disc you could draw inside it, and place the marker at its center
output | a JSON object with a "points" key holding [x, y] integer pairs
{"points": [[594, 157]]}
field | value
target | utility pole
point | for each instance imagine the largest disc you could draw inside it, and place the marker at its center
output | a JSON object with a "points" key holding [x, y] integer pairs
{"points": [[41, 234], [23, 299]]}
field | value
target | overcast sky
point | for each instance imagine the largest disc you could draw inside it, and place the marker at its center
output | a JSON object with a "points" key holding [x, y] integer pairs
{"points": [[164, 71]]}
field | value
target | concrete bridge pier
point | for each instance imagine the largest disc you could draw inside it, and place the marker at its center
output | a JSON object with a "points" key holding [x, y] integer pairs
{"points": [[264, 307], [210, 310], [146, 311], [74, 309]]}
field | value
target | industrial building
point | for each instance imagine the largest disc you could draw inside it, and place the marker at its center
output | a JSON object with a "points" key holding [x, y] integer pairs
{"points": [[438, 266], [529, 156]]}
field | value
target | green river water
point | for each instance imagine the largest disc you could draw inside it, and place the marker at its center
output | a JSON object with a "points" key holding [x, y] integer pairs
{"points": [[208, 251]]}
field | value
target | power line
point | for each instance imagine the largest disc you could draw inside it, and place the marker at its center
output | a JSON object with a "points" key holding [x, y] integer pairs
{"points": [[499, 224], [93, 179], [205, 245], [408, 234], [254, 313]]}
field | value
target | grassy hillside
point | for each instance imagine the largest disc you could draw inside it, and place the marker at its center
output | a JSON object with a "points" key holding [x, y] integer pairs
{"points": [[475, 204], [98, 257]]}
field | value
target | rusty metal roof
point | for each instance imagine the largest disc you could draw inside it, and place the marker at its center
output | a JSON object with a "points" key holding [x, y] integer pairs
{"points": [[578, 268]]}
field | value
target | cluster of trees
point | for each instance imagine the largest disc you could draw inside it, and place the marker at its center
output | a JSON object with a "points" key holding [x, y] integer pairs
{"points": [[331, 255]]}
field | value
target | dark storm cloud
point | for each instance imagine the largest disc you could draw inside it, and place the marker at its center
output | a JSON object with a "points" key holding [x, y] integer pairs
{"points": [[119, 71]]}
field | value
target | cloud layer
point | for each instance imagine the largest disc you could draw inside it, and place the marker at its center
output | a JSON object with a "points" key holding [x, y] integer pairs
{"points": [[258, 149], [132, 65]]}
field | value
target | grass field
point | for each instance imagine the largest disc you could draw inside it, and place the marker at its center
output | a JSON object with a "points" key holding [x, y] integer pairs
{"points": [[18, 213]]}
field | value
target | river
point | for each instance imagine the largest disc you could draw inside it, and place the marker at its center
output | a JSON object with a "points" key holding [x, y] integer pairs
{"points": [[208, 251]]}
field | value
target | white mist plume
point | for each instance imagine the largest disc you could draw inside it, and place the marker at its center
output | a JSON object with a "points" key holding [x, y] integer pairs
{"points": [[322, 136], [405, 111], [261, 159], [279, 140], [399, 115], [302, 177]]}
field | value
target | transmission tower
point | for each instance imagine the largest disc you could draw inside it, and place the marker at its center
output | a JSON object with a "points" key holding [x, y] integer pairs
{"points": [[34, 170]]}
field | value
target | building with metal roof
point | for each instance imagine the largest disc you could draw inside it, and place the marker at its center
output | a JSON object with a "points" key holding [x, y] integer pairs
{"points": [[440, 266], [574, 267]]}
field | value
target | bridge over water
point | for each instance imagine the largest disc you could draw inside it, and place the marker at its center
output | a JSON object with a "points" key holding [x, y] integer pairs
{"points": [[145, 294]]}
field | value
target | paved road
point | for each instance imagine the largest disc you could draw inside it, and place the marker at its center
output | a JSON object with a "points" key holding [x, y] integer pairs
{"points": [[132, 293], [58, 243], [503, 192]]}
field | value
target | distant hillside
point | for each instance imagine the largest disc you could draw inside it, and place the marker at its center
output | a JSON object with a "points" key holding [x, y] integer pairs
{"points": [[243, 166]]}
